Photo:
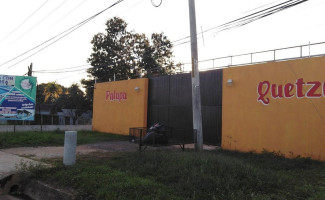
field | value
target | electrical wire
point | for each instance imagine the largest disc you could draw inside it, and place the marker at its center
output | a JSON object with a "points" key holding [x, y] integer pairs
{"points": [[133, 6], [260, 15], [69, 12], [262, 6], [69, 76], [60, 72], [62, 33], [65, 68], [233, 21], [244, 20], [253, 17], [21, 24], [39, 22], [59, 36], [247, 19]]}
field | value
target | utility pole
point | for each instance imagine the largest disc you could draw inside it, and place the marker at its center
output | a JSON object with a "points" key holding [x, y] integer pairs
{"points": [[196, 94], [30, 70]]}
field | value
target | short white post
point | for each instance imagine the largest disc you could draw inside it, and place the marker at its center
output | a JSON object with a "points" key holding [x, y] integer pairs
{"points": [[70, 145]]}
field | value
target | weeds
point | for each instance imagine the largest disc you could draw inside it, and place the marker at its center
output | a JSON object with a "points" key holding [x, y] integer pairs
{"points": [[55, 138], [190, 175], [29, 167]]}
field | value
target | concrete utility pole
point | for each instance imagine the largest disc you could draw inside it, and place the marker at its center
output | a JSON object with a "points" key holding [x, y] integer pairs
{"points": [[196, 94]]}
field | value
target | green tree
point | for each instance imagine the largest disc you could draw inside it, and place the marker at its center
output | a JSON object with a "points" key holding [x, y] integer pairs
{"points": [[52, 92], [49, 93], [89, 86], [73, 102], [72, 99], [156, 56], [112, 52], [119, 54], [40, 97]]}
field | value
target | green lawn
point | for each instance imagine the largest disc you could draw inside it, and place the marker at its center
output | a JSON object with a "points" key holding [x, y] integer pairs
{"points": [[32, 139], [189, 175]]}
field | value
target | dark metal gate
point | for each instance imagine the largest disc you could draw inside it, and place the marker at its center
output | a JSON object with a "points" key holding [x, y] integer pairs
{"points": [[170, 102]]}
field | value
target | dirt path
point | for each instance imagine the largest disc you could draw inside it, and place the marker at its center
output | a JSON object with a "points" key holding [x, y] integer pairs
{"points": [[53, 152], [10, 158]]}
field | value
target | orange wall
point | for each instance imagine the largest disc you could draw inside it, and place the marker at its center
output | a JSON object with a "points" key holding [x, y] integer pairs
{"points": [[293, 125], [117, 112]]}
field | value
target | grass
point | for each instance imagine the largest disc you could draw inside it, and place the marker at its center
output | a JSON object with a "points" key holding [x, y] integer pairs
{"points": [[190, 175], [56, 138]]}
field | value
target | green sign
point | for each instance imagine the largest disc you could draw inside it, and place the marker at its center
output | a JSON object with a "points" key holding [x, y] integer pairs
{"points": [[17, 97]]}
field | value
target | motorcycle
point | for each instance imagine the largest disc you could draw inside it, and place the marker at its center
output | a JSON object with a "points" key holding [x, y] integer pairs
{"points": [[157, 134]]}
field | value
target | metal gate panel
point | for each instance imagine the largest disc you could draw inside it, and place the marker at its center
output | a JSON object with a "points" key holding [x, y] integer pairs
{"points": [[170, 102]]}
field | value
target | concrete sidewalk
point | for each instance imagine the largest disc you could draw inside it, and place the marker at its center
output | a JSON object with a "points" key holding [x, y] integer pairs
{"points": [[10, 162]]}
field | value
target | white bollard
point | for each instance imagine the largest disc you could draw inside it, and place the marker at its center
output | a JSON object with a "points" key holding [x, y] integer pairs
{"points": [[70, 145]]}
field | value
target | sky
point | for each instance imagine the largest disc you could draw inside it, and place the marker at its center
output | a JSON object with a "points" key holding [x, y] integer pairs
{"points": [[27, 24]]}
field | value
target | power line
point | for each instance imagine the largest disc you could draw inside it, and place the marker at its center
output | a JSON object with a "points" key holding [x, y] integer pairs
{"points": [[65, 77], [64, 33], [59, 72], [252, 15], [262, 14], [248, 18], [59, 36], [132, 6], [261, 6], [233, 21], [39, 22], [65, 68], [70, 12], [21, 24]]}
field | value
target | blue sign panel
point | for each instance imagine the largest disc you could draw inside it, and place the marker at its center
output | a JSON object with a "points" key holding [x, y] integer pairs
{"points": [[17, 97]]}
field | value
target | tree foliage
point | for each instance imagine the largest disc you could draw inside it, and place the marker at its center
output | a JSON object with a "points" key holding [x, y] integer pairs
{"points": [[119, 54], [49, 92], [71, 99], [73, 102]]}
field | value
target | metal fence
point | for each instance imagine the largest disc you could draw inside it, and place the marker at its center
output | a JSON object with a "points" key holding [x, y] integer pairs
{"points": [[167, 136], [280, 54]]}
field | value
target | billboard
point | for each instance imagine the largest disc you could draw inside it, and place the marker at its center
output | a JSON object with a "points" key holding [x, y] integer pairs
{"points": [[17, 97]]}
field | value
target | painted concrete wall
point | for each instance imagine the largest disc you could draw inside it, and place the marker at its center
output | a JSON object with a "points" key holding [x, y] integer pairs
{"points": [[276, 106], [19, 128], [120, 105]]}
